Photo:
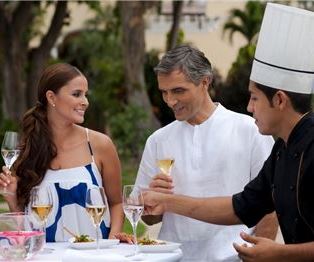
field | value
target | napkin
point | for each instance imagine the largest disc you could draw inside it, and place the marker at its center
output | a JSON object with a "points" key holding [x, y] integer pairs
{"points": [[91, 256]]}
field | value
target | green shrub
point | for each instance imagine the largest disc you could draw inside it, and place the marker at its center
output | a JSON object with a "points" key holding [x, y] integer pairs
{"points": [[127, 133]]}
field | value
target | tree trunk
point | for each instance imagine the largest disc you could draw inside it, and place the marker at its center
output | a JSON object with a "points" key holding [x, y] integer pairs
{"points": [[133, 28], [13, 29], [38, 57], [176, 17], [21, 67]]}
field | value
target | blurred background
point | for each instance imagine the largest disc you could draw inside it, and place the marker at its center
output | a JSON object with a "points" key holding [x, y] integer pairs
{"points": [[116, 44]]}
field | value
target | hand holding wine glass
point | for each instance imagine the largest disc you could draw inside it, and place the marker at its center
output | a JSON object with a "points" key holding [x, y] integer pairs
{"points": [[9, 152], [163, 182], [133, 206], [96, 207]]}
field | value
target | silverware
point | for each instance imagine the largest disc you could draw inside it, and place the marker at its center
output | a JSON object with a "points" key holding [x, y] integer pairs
{"points": [[70, 232]]}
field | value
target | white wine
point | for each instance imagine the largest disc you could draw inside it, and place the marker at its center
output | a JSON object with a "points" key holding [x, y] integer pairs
{"points": [[96, 213], [165, 165], [133, 212], [42, 211], [9, 156]]}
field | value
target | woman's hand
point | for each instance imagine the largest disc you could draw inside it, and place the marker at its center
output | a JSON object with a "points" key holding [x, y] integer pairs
{"points": [[8, 182], [123, 237]]}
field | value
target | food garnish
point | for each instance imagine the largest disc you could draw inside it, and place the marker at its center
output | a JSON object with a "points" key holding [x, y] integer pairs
{"points": [[83, 238], [147, 241]]}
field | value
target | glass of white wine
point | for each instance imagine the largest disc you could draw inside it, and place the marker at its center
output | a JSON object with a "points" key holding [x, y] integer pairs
{"points": [[133, 206], [41, 203], [95, 206], [9, 151], [165, 165]]}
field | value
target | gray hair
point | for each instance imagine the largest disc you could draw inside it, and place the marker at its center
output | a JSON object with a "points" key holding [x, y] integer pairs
{"points": [[189, 60]]}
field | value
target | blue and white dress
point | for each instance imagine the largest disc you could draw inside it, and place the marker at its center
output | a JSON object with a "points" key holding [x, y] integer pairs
{"points": [[68, 188]]}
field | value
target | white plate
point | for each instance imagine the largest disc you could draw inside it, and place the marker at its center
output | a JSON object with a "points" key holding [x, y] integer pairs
{"points": [[90, 245], [167, 247]]}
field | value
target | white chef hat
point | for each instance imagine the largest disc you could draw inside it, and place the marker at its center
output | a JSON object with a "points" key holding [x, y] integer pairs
{"points": [[284, 57]]}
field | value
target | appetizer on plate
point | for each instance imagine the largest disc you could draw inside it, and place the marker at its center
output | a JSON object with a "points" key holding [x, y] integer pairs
{"points": [[83, 238], [91, 244], [155, 245], [148, 241]]}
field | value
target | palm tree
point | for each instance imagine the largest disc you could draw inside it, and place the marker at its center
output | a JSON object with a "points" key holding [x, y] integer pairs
{"points": [[246, 22]]}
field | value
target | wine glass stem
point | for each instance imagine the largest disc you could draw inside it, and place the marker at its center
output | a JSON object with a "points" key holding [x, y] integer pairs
{"points": [[44, 223], [97, 237], [134, 226]]}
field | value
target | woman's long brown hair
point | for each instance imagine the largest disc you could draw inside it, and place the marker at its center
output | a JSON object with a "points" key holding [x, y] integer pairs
{"points": [[36, 145]]}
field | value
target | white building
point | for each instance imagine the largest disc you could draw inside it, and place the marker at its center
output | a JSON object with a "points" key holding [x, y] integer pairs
{"points": [[204, 30]]}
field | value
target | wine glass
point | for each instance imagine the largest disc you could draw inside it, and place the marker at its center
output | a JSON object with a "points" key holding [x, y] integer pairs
{"points": [[133, 206], [165, 165], [9, 148], [9, 151], [41, 203], [95, 206]]}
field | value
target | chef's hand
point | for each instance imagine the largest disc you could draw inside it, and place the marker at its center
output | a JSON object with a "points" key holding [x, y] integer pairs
{"points": [[261, 250], [153, 202]]}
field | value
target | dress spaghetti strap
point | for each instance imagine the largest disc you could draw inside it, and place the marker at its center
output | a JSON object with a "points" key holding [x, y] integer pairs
{"points": [[89, 145]]}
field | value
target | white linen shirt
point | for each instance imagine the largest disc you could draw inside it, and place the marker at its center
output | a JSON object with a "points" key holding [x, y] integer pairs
{"points": [[216, 158]]}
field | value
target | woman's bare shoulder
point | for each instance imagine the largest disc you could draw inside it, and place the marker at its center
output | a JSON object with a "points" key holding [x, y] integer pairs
{"points": [[99, 140], [102, 145]]}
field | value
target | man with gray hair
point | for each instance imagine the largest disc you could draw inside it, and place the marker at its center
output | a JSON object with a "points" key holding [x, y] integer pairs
{"points": [[214, 151]]}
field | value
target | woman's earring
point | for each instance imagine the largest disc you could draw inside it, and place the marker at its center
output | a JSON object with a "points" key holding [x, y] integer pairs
{"points": [[53, 105]]}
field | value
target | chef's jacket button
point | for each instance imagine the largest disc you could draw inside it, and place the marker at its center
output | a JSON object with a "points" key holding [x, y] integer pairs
{"points": [[296, 220], [296, 155], [292, 187]]}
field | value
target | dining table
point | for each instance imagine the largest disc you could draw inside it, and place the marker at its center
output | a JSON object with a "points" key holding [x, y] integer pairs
{"points": [[63, 252]]}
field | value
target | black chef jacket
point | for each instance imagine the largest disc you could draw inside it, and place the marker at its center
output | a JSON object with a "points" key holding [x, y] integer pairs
{"points": [[284, 184]]}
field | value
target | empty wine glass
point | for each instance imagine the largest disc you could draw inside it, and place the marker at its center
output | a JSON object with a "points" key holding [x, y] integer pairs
{"points": [[9, 151], [165, 165], [95, 205], [133, 206]]}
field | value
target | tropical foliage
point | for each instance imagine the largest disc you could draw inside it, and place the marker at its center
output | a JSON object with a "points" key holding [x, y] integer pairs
{"points": [[247, 22], [110, 110], [234, 92]]}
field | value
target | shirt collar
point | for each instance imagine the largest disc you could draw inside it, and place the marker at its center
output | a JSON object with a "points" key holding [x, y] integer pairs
{"points": [[300, 129]]}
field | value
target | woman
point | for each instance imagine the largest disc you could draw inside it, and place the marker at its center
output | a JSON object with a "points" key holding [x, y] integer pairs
{"points": [[57, 152]]}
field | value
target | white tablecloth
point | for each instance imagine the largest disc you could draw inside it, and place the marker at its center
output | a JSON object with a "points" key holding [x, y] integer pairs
{"points": [[61, 252]]}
